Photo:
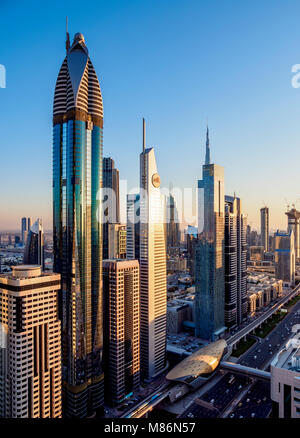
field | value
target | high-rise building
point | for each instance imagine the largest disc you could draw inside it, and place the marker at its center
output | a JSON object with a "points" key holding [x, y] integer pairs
{"points": [[28, 224], [152, 267], [172, 221], [34, 248], [133, 227], [121, 291], [191, 242], [285, 256], [209, 253], [111, 211], [235, 262], [77, 229], [116, 241], [23, 229], [293, 225], [30, 350], [264, 227]]}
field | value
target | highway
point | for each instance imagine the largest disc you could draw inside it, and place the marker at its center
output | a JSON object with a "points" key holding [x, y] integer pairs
{"points": [[262, 318], [257, 357]]}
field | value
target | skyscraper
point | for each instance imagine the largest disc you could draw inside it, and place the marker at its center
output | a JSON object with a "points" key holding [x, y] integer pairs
{"points": [[235, 262], [133, 227], [117, 241], [264, 228], [209, 252], [28, 224], [293, 225], [285, 256], [34, 248], [111, 213], [77, 229], [173, 232], [30, 344], [152, 267], [121, 291], [23, 228]]}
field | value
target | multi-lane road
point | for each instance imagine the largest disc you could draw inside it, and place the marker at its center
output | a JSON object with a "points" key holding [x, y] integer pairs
{"points": [[262, 318]]}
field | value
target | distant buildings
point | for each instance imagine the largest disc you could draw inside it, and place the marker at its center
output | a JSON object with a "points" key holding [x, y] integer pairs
{"points": [[133, 227], [191, 241], [121, 289], [235, 262], [264, 228], [293, 225], [285, 257], [256, 253], [34, 248], [111, 213], [172, 221], [152, 267], [30, 338], [116, 241], [209, 257], [25, 227], [77, 228]]}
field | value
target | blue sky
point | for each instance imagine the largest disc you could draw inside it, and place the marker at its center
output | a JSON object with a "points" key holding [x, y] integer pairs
{"points": [[178, 64]]}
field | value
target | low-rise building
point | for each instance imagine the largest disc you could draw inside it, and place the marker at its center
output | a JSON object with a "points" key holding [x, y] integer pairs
{"points": [[285, 380]]}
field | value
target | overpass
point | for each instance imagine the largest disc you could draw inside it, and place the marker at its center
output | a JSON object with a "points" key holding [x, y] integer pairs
{"points": [[262, 318], [246, 371], [148, 404]]}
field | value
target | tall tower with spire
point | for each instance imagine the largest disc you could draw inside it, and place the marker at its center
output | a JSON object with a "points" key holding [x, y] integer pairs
{"points": [[209, 254], [77, 235]]}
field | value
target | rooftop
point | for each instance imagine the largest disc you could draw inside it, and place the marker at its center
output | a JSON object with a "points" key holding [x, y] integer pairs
{"points": [[204, 361]]}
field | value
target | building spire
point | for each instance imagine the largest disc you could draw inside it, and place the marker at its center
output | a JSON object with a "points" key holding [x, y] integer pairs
{"points": [[207, 153], [144, 135], [67, 37]]}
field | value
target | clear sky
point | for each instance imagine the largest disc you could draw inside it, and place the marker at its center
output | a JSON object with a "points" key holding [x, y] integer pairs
{"points": [[178, 64]]}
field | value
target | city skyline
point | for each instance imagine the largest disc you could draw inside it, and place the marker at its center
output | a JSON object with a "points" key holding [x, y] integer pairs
{"points": [[147, 74], [159, 295]]}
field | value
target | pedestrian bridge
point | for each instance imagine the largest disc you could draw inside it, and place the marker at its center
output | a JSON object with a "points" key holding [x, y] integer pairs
{"points": [[246, 371]]}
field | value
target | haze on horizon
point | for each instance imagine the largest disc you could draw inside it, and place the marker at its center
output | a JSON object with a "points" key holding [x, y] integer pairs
{"points": [[178, 66]]}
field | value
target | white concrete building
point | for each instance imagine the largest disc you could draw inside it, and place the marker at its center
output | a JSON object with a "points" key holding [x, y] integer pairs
{"points": [[285, 380], [152, 267], [30, 344]]}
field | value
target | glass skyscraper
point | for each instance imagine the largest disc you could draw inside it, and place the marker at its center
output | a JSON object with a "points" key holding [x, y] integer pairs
{"points": [[77, 178], [34, 248], [209, 252]]}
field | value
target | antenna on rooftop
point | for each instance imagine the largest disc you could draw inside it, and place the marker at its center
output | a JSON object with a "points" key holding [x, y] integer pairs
{"points": [[68, 37]]}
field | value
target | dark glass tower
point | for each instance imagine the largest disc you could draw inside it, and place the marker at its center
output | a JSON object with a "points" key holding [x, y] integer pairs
{"points": [[34, 248], [209, 252], [77, 178], [111, 198]]}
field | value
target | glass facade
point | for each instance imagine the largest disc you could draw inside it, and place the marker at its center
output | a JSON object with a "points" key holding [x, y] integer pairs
{"points": [[209, 255], [77, 158], [77, 228]]}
